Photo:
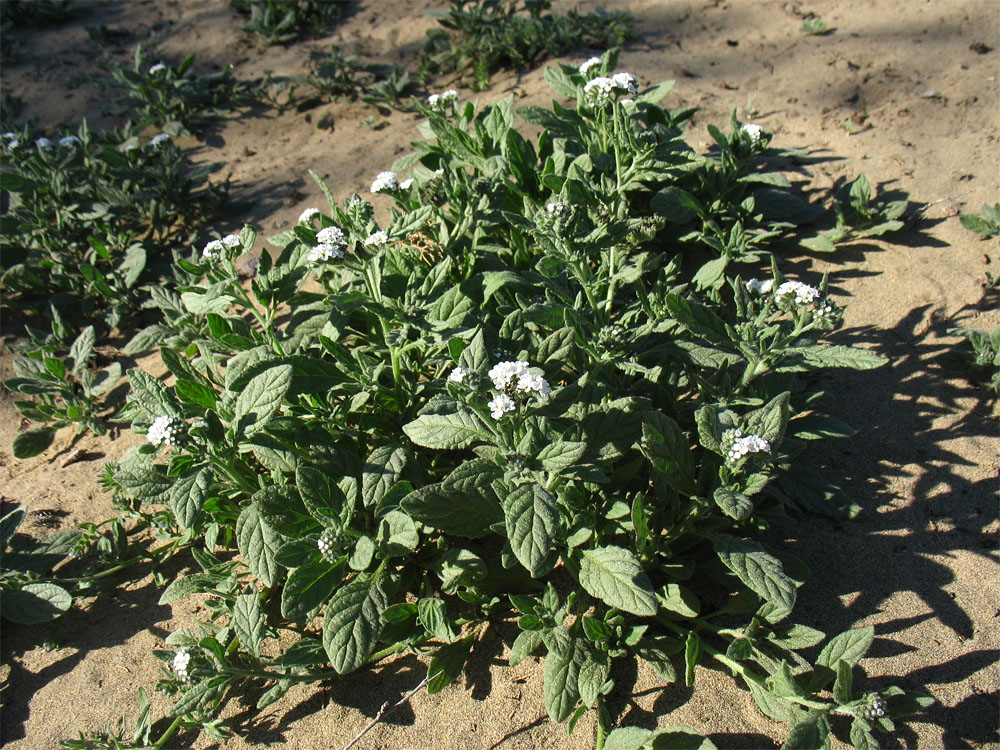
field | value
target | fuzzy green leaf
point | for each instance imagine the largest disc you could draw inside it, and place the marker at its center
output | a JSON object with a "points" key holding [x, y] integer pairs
{"points": [[614, 576], [353, 623], [258, 401], [760, 571], [34, 603], [258, 543], [187, 495], [532, 519]]}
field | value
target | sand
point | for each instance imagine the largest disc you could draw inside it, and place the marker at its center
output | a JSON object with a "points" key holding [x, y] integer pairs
{"points": [[900, 90]]}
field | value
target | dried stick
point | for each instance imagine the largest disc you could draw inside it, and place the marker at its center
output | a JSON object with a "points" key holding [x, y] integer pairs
{"points": [[386, 708]]}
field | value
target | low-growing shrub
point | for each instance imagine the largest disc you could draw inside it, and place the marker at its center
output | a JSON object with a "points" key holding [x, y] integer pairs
{"points": [[285, 21], [542, 393]]}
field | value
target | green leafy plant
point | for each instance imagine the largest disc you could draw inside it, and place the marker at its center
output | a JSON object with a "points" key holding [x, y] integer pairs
{"points": [[859, 215], [987, 223], [483, 36], [65, 389], [174, 98], [285, 21], [977, 356], [508, 403], [379, 85], [815, 26]]}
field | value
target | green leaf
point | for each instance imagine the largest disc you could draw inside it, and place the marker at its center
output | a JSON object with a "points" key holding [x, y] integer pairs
{"points": [[397, 534], [561, 674], [459, 566], [151, 395], [470, 515], [558, 456], [258, 543], [187, 495], [627, 738], [532, 519], [81, 350], [353, 623], [711, 274], [675, 205], [657, 650], [200, 696], [594, 672], [680, 600], [667, 449], [692, 652], [770, 420], [821, 356], [760, 571], [248, 622], [33, 442], [447, 431], [308, 586], [772, 706], [861, 735], [433, 616], [34, 603], [257, 402], [323, 499], [614, 576], [9, 525], [842, 685], [734, 504], [680, 738], [381, 471], [809, 734], [447, 664], [848, 647], [524, 645]]}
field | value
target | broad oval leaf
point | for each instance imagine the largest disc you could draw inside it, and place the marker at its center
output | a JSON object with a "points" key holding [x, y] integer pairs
{"points": [[614, 576], [353, 623]]}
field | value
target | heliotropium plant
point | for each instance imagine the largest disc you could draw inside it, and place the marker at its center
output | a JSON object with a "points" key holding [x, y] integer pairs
{"points": [[510, 403]]}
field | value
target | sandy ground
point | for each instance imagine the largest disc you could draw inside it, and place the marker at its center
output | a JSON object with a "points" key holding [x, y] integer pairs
{"points": [[904, 91]]}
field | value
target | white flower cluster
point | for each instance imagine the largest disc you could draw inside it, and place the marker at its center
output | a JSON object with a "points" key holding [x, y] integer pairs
{"points": [[557, 208], [378, 239], [213, 250], [438, 101], [308, 215], [514, 379], [874, 708], [159, 140], [232, 241], [803, 294], [324, 252], [158, 68], [825, 310], [69, 141], [327, 544], [760, 287], [589, 65], [181, 660], [11, 139], [756, 132], [601, 91], [457, 375], [165, 430], [386, 182], [331, 235], [740, 446], [43, 143]]}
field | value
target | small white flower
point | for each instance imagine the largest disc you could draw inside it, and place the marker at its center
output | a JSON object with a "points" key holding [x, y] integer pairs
{"points": [[327, 544], [308, 215], [803, 294], [232, 240], [405, 184], [740, 446], [437, 101], [9, 136], [386, 182], [505, 375], [43, 143], [626, 82], [165, 430], [500, 405], [599, 91], [754, 131], [530, 383], [457, 375], [332, 235], [586, 67], [760, 287], [378, 239], [449, 96], [69, 141], [213, 250], [557, 208], [439, 171], [434, 101], [159, 140], [180, 664], [13, 143], [323, 253], [158, 68]]}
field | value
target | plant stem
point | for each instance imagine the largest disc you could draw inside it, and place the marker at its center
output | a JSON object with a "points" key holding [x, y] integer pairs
{"points": [[603, 725], [167, 734]]}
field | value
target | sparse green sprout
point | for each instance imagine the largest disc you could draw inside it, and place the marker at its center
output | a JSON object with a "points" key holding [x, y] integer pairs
{"points": [[814, 25], [987, 223]]}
